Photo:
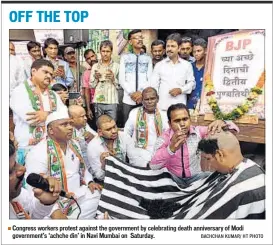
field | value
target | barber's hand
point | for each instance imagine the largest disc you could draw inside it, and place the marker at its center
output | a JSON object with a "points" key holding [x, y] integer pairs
{"points": [[37, 117], [88, 136], [216, 126], [48, 198], [95, 186], [178, 139], [175, 91], [102, 159]]}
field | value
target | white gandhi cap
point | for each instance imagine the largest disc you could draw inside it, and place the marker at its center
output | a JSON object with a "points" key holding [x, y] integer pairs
{"points": [[57, 115]]}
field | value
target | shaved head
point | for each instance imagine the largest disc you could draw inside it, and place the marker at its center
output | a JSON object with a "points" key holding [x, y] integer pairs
{"points": [[103, 119], [221, 150], [225, 140], [74, 110], [149, 89]]}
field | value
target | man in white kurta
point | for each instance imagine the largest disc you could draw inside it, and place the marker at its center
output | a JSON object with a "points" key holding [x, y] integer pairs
{"points": [[31, 103], [110, 141], [37, 161], [82, 132], [173, 77], [146, 123]]}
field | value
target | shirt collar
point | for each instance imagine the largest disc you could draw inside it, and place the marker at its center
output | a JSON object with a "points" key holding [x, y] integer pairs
{"points": [[101, 140], [56, 59], [169, 60], [111, 62], [191, 131]]}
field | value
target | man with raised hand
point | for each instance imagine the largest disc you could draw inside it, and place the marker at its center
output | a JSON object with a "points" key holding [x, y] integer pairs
{"points": [[62, 73], [176, 149]]}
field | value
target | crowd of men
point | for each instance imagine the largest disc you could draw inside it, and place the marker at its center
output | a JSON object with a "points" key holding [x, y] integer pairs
{"points": [[69, 143]]}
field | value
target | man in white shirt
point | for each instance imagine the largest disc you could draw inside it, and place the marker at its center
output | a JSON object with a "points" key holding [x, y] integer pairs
{"points": [[23, 205], [82, 133], [110, 141], [60, 156], [173, 77], [146, 123], [31, 103], [135, 71]]}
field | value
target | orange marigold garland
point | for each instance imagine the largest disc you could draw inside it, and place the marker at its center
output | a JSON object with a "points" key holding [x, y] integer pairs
{"points": [[239, 110]]}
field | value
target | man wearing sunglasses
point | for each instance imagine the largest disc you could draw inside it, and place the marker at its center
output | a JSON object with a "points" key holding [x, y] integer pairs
{"points": [[186, 49]]}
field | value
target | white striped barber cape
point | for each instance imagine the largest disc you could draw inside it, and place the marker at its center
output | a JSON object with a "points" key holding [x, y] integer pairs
{"points": [[239, 195]]}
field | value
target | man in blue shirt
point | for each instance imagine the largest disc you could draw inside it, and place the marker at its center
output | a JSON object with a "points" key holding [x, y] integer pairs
{"points": [[199, 53], [62, 73]]}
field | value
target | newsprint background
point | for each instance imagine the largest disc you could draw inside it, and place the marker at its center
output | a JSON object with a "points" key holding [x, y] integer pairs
{"points": [[141, 16]]}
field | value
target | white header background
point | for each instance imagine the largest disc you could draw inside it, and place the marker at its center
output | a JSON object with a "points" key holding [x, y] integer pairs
{"points": [[144, 16]]}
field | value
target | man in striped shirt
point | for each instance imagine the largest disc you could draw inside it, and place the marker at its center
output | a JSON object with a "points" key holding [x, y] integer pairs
{"points": [[104, 80]]}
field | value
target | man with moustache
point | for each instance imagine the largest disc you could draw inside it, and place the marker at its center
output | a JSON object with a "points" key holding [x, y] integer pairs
{"points": [[23, 205], [31, 103], [134, 73], [176, 149], [91, 59], [199, 53], [186, 49], [62, 73], [158, 51], [60, 156], [34, 50], [104, 79], [147, 122], [172, 77], [70, 57], [110, 141]]}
